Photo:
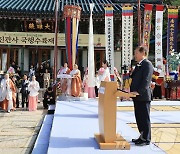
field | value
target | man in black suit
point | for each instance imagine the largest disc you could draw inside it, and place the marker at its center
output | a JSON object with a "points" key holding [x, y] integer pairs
{"points": [[24, 91], [48, 97], [141, 81]]}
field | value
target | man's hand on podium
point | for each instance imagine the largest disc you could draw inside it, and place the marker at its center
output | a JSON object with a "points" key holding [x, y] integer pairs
{"points": [[134, 93], [125, 98]]}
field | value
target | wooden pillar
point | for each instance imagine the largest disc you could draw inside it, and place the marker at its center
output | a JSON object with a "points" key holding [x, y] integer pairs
{"points": [[56, 43], [102, 57], [0, 59], [8, 58], [39, 56], [14, 54], [33, 57], [47, 53], [22, 60], [25, 25]]}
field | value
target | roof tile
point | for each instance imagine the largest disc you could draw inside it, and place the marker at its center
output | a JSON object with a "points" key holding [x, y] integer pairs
{"points": [[48, 6]]}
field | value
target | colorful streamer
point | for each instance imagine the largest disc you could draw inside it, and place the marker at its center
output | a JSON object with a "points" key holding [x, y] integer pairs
{"points": [[68, 42], [147, 25], [72, 17], [74, 37]]}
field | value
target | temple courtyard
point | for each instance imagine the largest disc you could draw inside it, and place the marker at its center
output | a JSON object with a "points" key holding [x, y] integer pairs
{"points": [[19, 129]]}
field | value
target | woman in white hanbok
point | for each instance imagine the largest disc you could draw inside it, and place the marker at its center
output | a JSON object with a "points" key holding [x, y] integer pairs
{"points": [[7, 87], [33, 89], [106, 74], [64, 80]]}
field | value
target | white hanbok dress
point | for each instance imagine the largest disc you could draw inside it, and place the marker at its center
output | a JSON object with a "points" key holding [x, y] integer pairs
{"points": [[33, 88], [6, 92]]}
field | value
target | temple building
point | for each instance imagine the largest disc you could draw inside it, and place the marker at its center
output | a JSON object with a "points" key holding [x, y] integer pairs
{"points": [[27, 30]]}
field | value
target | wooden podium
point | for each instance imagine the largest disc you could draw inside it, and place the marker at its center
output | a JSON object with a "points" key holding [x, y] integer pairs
{"points": [[107, 137]]}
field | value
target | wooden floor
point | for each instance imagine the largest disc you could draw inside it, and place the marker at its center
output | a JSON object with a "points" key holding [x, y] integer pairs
{"points": [[164, 135]]}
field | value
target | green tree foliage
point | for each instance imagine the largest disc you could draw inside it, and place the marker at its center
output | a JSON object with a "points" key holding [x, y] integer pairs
{"points": [[172, 2]]}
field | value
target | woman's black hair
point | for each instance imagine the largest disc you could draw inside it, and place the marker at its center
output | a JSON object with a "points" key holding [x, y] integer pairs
{"points": [[105, 62]]}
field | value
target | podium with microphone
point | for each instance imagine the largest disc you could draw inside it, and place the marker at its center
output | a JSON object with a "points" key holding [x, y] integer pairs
{"points": [[107, 138]]}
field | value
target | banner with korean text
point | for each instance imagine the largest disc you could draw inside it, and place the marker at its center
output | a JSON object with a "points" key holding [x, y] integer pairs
{"points": [[127, 35], [46, 39], [147, 25], [158, 38], [109, 34], [172, 30]]}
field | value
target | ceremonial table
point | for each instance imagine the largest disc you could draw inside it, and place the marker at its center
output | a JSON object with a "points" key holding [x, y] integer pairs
{"points": [[65, 81]]}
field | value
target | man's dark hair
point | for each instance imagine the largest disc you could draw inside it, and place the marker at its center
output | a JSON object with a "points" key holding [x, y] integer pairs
{"points": [[142, 49], [49, 89]]}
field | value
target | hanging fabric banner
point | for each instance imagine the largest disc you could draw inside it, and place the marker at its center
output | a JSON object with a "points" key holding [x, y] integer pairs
{"points": [[72, 16], [91, 74], [172, 30], [68, 41], [77, 36], [158, 39], [74, 40], [147, 25], [109, 37], [127, 35]]}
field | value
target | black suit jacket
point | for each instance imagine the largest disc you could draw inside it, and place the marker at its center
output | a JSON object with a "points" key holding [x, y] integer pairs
{"points": [[24, 87], [141, 80], [49, 97]]}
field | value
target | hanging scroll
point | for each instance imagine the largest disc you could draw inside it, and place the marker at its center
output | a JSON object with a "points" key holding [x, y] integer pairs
{"points": [[172, 30], [127, 35], [147, 25], [109, 32], [158, 38]]}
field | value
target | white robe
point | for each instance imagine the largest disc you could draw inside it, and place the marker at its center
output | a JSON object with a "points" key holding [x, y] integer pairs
{"points": [[6, 90], [33, 88], [6, 93], [64, 70], [1, 92], [105, 75], [74, 71]]}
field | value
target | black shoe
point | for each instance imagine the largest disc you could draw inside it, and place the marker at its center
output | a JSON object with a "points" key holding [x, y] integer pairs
{"points": [[136, 140], [142, 142]]}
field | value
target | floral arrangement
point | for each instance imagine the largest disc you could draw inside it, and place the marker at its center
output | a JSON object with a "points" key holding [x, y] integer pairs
{"points": [[173, 61]]}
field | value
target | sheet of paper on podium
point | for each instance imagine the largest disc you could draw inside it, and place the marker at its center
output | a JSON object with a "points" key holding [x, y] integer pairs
{"points": [[66, 76]]}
